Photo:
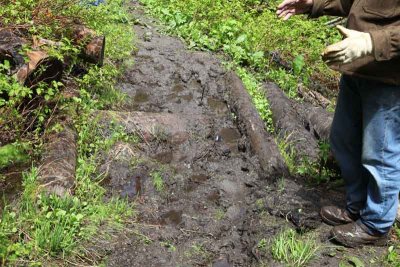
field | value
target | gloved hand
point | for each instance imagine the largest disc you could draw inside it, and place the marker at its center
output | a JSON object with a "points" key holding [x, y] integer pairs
{"points": [[356, 45]]}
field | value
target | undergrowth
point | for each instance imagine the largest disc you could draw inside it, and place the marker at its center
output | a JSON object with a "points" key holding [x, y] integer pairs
{"points": [[39, 229]]}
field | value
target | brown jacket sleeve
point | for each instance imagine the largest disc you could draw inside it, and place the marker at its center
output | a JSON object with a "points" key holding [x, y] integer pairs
{"points": [[339, 8], [386, 43]]}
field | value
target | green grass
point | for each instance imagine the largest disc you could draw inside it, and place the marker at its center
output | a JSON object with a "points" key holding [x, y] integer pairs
{"points": [[158, 181], [293, 249], [13, 154]]}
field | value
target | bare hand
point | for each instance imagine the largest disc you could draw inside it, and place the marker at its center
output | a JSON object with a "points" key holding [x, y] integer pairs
{"points": [[289, 8]]}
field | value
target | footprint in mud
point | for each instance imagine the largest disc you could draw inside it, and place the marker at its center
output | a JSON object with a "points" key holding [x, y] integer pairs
{"points": [[164, 157], [172, 217], [132, 188], [229, 135], [229, 138], [217, 106], [141, 97]]}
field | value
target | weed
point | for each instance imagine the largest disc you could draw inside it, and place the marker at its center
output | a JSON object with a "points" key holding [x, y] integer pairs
{"points": [[158, 181], [293, 249], [168, 245], [197, 251], [288, 154], [349, 261], [253, 86], [392, 257], [262, 244], [281, 184], [260, 203], [219, 214]]}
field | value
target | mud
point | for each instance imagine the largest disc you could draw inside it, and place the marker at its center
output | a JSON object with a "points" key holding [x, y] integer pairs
{"points": [[11, 184], [222, 188]]}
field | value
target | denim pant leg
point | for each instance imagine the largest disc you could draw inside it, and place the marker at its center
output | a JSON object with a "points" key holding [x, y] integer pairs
{"points": [[346, 143], [381, 153]]}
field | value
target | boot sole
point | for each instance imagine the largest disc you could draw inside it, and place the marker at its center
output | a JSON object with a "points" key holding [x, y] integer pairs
{"points": [[379, 243]]}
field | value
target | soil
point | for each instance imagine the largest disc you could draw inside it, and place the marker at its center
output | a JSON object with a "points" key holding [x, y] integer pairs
{"points": [[215, 202]]}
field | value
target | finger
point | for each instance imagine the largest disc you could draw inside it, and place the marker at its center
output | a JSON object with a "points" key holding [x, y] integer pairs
{"points": [[337, 60], [334, 54], [288, 15], [283, 13], [334, 66], [343, 31], [286, 3], [335, 48], [347, 60]]}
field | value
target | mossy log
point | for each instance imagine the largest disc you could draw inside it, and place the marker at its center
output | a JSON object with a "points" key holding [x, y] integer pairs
{"points": [[58, 165], [262, 143], [289, 126]]}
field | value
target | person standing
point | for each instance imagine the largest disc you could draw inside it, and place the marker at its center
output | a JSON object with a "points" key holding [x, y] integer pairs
{"points": [[365, 134]]}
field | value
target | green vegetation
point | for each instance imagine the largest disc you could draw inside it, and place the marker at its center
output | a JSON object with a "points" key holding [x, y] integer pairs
{"points": [[158, 181], [293, 249], [317, 171], [253, 86], [39, 228], [196, 251], [12, 154], [219, 214]]}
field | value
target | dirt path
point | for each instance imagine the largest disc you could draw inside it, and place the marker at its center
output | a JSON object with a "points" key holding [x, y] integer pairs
{"points": [[202, 197]]}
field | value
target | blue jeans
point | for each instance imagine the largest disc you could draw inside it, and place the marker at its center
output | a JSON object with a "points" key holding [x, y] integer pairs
{"points": [[365, 139]]}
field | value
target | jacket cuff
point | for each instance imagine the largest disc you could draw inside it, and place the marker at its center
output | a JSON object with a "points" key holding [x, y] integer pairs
{"points": [[381, 45], [317, 8]]}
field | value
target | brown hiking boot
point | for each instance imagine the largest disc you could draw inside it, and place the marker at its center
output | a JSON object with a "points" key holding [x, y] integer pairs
{"points": [[355, 234], [337, 216]]}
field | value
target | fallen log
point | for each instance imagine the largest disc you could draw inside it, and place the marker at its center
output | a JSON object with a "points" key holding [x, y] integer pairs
{"points": [[40, 68], [93, 45], [262, 143], [288, 125], [58, 164]]}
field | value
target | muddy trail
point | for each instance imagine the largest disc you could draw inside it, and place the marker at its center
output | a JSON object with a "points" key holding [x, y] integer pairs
{"points": [[202, 194]]}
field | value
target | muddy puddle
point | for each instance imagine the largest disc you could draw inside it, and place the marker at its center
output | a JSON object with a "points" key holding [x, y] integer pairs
{"points": [[202, 199]]}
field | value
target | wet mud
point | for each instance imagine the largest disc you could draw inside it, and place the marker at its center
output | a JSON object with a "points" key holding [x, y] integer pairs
{"points": [[203, 196]]}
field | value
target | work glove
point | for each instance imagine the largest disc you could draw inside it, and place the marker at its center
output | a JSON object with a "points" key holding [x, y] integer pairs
{"points": [[355, 45]]}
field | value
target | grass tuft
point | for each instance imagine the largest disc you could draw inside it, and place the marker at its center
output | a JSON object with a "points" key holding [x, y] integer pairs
{"points": [[293, 249]]}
